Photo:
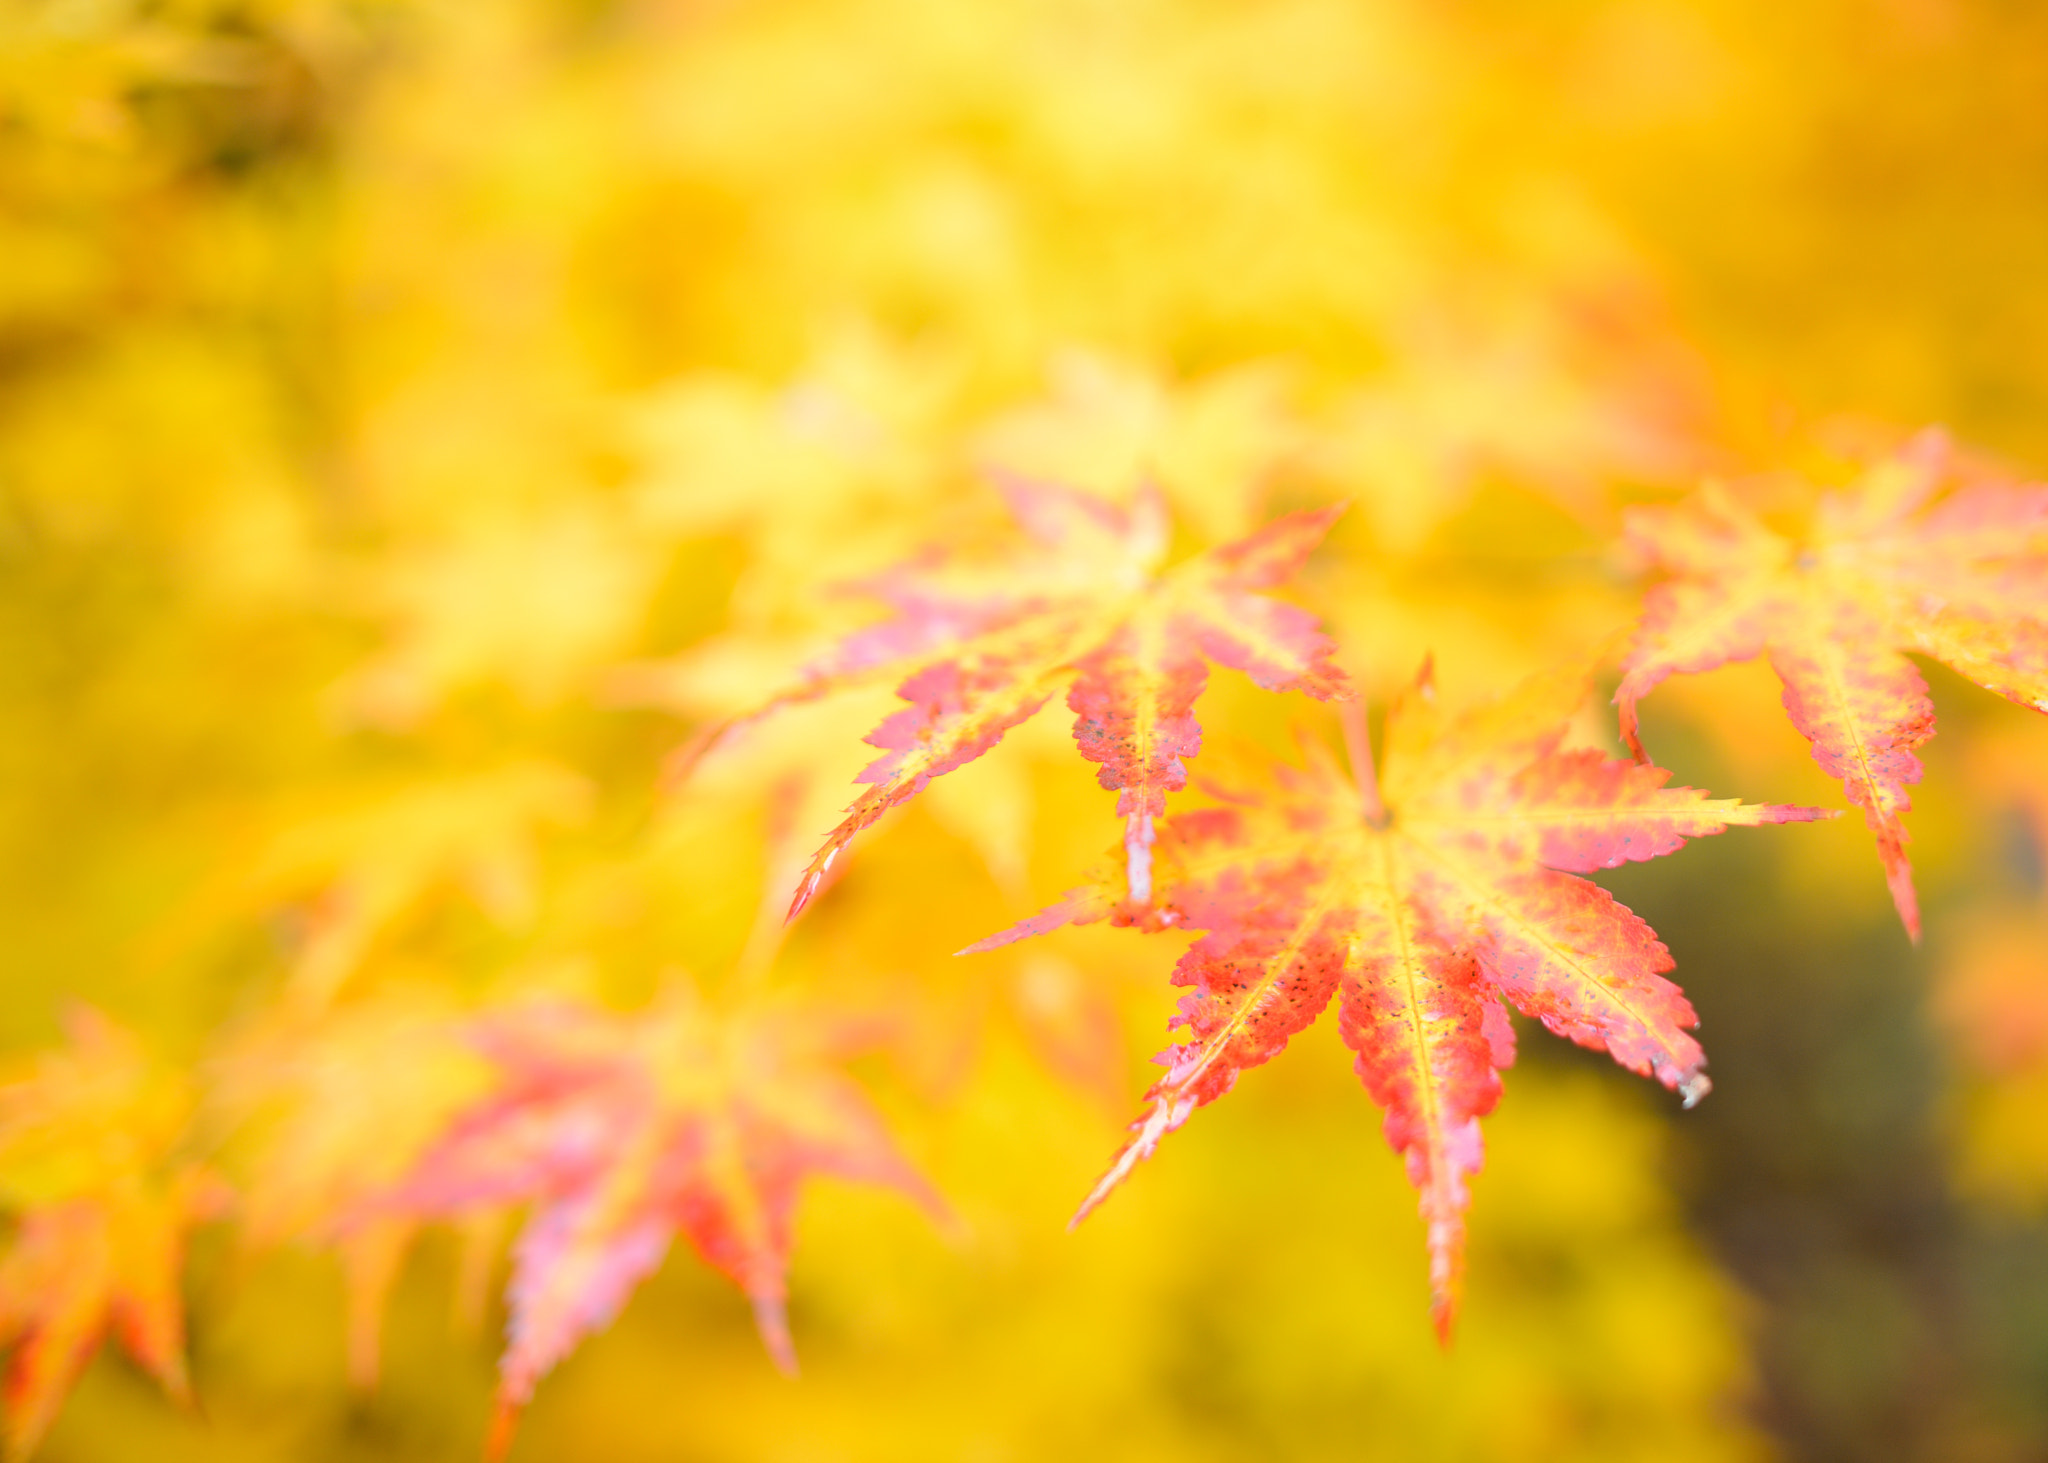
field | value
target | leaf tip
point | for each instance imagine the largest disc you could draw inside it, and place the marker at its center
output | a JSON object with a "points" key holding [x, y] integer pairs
{"points": [[814, 876], [177, 1383], [1080, 907], [771, 1319], [1101, 1191], [1898, 876], [1163, 1118], [504, 1425]]}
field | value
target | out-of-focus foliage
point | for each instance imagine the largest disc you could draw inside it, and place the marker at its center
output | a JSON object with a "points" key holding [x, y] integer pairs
{"points": [[1993, 993], [89, 1163], [418, 418], [622, 1133]]}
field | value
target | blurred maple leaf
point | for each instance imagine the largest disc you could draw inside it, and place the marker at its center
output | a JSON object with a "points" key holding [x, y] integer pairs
{"points": [[1108, 426], [825, 474], [1991, 996], [529, 599], [1991, 990], [1545, 397], [355, 869], [623, 1130], [319, 311], [1881, 568], [330, 1142], [88, 1159], [1419, 910], [978, 648]]}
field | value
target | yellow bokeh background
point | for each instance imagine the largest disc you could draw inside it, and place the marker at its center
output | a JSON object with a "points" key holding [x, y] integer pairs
{"points": [[418, 416]]}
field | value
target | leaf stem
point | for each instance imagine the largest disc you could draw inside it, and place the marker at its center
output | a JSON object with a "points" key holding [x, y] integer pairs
{"points": [[1358, 748]]}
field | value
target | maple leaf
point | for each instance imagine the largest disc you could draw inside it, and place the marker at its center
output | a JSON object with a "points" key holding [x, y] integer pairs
{"points": [[1216, 442], [86, 1159], [530, 599], [1083, 605], [830, 469], [1419, 911], [1882, 568], [622, 1131], [331, 1142], [1556, 398], [359, 866]]}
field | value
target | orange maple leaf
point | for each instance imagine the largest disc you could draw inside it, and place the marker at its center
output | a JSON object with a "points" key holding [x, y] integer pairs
{"points": [[1883, 568], [331, 1143], [624, 1130], [1419, 911], [1082, 605], [86, 1160], [355, 865]]}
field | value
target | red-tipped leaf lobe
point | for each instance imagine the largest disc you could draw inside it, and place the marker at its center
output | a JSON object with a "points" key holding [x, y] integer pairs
{"points": [[1887, 567], [91, 1132], [1083, 604], [1430, 1042]]}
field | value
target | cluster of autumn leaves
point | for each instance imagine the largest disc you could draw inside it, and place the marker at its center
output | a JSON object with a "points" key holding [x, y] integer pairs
{"points": [[1426, 890]]}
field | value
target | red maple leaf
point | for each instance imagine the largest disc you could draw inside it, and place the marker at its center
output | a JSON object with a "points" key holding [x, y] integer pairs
{"points": [[621, 1132], [1082, 604], [87, 1160], [1419, 912], [1891, 565]]}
